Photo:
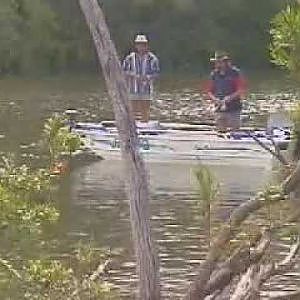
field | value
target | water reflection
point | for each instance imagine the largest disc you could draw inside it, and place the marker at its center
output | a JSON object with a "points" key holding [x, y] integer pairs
{"points": [[98, 209]]}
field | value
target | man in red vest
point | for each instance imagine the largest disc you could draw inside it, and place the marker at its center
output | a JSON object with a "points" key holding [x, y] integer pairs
{"points": [[225, 89]]}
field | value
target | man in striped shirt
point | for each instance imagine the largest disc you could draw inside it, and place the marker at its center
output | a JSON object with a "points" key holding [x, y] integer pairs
{"points": [[141, 68]]}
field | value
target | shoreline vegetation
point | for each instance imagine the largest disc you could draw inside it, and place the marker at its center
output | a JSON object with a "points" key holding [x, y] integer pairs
{"points": [[50, 37]]}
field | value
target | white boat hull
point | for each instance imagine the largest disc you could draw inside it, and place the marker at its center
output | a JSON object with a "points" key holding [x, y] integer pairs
{"points": [[182, 143]]}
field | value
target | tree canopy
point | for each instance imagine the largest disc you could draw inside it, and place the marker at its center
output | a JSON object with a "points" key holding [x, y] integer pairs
{"points": [[50, 36]]}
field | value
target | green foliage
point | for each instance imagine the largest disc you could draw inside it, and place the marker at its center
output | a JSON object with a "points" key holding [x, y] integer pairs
{"points": [[22, 181], [50, 36], [186, 33], [208, 188], [28, 37], [48, 273], [88, 257], [18, 188], [52, 278], [23, 216], [59, 139], [285, 35]]}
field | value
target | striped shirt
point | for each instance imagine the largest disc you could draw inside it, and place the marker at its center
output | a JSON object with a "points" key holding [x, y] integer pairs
{"points": [[136, 66]]}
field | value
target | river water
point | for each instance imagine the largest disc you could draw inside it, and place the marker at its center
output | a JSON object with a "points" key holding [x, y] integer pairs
{"points": [[92, 197]]}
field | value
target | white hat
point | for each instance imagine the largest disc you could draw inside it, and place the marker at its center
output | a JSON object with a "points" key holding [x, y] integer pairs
{"points": [[141, 38]]}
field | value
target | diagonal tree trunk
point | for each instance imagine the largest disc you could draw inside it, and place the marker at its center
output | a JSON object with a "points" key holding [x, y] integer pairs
{"points": [[147, 259]]}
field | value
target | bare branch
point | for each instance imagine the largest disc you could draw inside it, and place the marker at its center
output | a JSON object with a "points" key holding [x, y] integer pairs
{"points": [[277, 154], [100, 271], [237, 264], [248, 287], [197, 288], [286, 264], [255, 277]]}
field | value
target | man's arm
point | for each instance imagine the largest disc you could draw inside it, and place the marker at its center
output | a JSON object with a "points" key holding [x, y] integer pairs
{"points": [[154, 68], [127, 67], [212, 97]]}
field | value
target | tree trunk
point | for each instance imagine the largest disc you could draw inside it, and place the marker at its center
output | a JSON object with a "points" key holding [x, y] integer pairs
{"points": [[147, 259]]}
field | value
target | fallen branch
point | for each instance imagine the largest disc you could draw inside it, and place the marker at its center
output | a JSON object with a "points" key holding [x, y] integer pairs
{"points": [[284, 266], [249, 285], [197, 288], [236, 265], [100, 271]]}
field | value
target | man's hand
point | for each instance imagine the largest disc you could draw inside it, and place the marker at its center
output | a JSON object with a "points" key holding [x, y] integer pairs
{"points": [[213, 99], [227, 99]]}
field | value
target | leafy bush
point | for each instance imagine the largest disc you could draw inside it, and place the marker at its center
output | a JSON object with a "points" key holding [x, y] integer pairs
{"points": [[285, 39], [23, 181], [59, 139]]}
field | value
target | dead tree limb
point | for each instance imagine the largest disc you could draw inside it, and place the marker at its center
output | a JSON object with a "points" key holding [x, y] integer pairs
{"points": [[147, 258], [236, 265], [249, 286], [101, 270], [196, 290]]}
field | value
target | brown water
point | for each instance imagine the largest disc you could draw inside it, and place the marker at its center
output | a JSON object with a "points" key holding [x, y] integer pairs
{"points": [[93, 200], [97, 201]]}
